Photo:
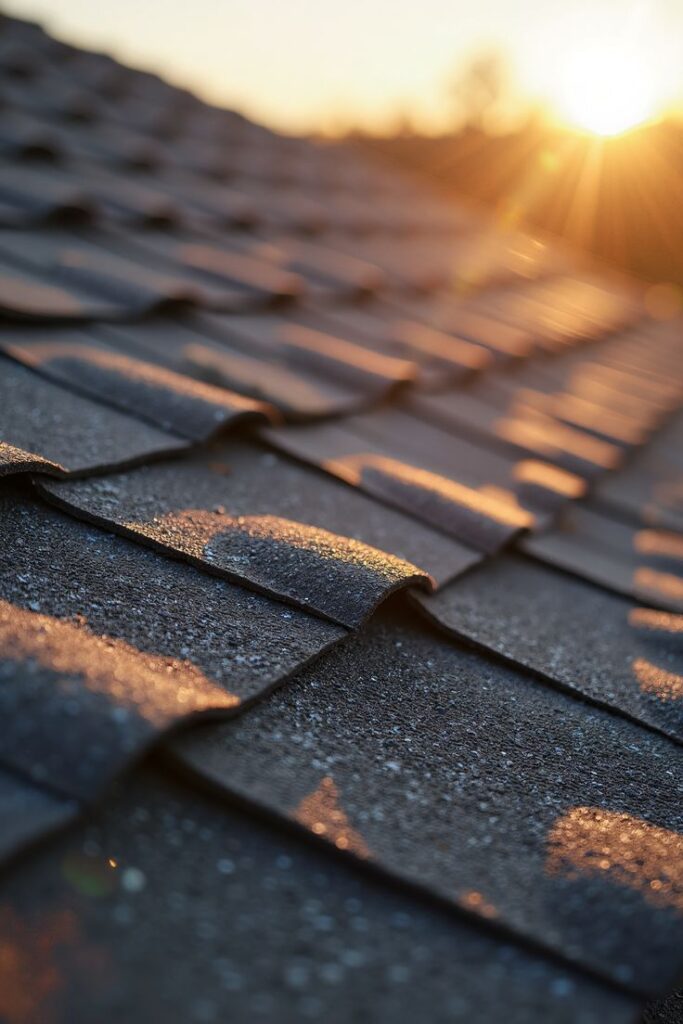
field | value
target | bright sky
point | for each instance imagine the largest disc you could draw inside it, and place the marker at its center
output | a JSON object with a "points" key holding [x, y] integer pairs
{"points": [[300, 65]]}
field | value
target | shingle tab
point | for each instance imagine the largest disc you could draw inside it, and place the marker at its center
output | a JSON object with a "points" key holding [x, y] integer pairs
{"points": [[257, 517], [32, 195], [581, 413], [496, 792], [103, 283], [18, 460], [520, 428], [649, 489], [336, 375], [188, 348], [645, 564], [245, 279], [462, 490], [28, 295], [507, 342], [440, 357], [171, 401], [43, 425], [105, 644], [328, 273], [584, 638]]}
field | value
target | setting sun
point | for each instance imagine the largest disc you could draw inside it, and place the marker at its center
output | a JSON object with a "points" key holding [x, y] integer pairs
{"points": [[605, 91]]}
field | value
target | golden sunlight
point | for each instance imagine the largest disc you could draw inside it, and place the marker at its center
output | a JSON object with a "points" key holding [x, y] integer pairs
{"points": [[606, 90]]}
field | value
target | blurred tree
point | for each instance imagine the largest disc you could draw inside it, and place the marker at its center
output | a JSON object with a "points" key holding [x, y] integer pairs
{"points": [[478, 91]]}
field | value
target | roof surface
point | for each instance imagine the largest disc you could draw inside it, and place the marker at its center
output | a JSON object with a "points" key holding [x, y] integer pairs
{"points": [[361, 518]]}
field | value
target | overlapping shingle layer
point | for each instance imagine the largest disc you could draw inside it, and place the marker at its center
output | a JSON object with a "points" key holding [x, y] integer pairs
{"points": [[252, 389]]}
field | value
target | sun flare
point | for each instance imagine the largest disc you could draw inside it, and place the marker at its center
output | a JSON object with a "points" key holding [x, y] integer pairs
{"points": [[606, 91]]}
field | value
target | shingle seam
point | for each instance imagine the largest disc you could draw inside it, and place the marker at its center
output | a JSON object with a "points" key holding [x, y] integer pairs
{"points": [[267, 438], [359, 403], [54, 470]]}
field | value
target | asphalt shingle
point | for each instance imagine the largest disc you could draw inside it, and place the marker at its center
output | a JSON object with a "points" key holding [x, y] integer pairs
{"points": [[649, 490], [257, 924], [503, 796], [585, 639], [644, 564], [257, 517], [106, 644], [408, 465], [175, 403], [43, 425]]}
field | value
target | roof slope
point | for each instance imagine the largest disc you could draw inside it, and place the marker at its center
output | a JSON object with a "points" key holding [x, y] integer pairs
{"points": [[393, 491]]}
